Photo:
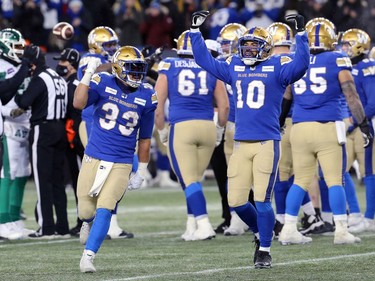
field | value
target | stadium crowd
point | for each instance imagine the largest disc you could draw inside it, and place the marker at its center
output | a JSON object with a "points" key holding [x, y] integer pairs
{"points": [[252, 48]]}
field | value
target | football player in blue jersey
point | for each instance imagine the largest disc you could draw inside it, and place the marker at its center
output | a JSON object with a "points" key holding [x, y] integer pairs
{"points": [[228, 39], [282, 36], [123, 116], [318, 132], [258, 81], [356, 43], [103, 43], [192, 133]]}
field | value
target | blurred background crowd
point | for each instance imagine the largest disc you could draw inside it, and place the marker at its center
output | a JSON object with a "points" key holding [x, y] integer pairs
{"points": [[158, 22]]}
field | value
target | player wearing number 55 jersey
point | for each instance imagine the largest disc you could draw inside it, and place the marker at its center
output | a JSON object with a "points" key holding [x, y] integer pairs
{"points": [[258, 81], [318, 132], [123, 114]]}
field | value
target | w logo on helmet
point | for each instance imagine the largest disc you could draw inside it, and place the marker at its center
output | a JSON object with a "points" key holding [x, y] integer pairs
{"points": [[362, 38]]}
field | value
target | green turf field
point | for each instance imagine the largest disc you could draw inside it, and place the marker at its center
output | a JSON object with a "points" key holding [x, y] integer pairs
{"points": [[157, 218]]}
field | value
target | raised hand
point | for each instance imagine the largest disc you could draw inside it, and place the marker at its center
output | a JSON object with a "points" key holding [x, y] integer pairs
{"points": [[298, 20], [198, 18]]}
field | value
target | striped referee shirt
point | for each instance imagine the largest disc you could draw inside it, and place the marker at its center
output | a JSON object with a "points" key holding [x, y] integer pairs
{"points": [[47, 95]]}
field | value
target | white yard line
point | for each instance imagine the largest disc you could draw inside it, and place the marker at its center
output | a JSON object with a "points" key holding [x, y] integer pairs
{"points": [[215, 270]]}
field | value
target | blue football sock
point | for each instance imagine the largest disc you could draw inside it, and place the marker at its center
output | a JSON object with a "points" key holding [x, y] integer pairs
{"points": [[248, 215], [162, 162], [294, 200], [306, 199], [351, 195], [266, 222], [370, 196], [281, 191], [195, 199], [99, 229], [324, 197], [337, 200]]}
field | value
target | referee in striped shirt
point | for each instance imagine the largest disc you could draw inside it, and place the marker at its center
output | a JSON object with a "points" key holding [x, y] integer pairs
{"points": [[47, 97]]}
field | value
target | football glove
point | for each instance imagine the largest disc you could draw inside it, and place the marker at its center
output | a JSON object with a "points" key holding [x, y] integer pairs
{"points": [[163, 135], [198, 18], [29, 53], [219, 134], [135, 181], [366, 132], [298, 20]]}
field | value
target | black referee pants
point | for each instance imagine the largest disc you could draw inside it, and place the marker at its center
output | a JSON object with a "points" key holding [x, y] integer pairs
{"points": [[48, 145]]}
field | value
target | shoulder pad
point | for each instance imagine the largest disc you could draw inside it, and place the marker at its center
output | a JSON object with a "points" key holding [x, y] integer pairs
{"points": [[154, 98], [285, 59], [164, 65], [343, 62], [369, 71], [96, 78]]}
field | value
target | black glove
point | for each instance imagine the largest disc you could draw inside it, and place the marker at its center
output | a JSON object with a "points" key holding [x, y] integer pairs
{"points": [[198, 18], [29, 54], [298, 20], [366, 133]]}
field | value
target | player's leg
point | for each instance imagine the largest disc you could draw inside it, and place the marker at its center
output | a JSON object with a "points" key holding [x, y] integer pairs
{"points": [[265, 165], [110, 194], [332, 159], [304, 164]]}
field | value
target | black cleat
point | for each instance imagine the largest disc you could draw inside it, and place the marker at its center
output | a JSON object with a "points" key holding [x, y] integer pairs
{"points": [[122, 235], [277, 228], [256, 245], [223, 226], [311, 224], [263, 260], [75, 230]]}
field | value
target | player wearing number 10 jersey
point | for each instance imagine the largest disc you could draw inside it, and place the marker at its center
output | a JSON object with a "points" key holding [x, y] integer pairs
{"points": [[258, 81]]}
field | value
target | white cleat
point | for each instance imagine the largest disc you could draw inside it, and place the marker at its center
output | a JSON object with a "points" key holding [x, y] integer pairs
{"points": [[84, 232], [343, 237], [204, 230], [364, 225], [354, 219], [86, 264], [289, 235], [236, 227], [10, 231], [191, 227]]}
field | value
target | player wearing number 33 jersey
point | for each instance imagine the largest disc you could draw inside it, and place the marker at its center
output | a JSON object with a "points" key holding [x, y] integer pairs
{"points": [[117, 118], [258, 81]]}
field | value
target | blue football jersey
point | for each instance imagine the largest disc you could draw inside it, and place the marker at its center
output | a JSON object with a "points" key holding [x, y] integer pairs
{"points": [[119, 118], [364, 77], [317, 95], [88, 111], [257, 90], [190, 90]]}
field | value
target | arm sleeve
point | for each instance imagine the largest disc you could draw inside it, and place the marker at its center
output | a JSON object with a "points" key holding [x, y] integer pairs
{"points": [[147, 124], [35, 88], [294, 70], [8, 87], [203, 58]]}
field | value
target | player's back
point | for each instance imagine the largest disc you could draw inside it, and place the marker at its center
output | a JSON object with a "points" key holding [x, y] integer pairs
{"points": [[317, 95], [364, 77], [190, 90]]}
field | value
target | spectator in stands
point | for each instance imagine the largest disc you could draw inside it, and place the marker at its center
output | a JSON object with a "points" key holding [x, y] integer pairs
{"points": [[81, 19], [316, 8], [28, 18], [348, 14], [157, 27], [128, 23]]}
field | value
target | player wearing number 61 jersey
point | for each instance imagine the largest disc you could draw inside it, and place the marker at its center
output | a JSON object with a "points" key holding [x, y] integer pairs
{"points": [[258, 81]]}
